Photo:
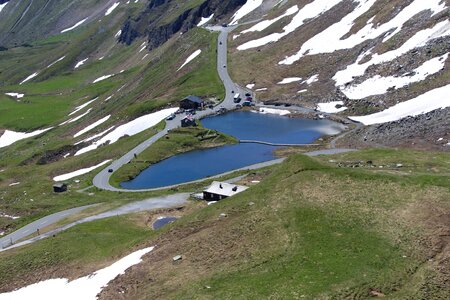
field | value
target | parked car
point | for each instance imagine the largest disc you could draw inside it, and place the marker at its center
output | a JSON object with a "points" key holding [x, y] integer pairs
{"points": [[237, 100], [171, 117], [248, 103], [249, 99], [238, 106], [248, 95]]}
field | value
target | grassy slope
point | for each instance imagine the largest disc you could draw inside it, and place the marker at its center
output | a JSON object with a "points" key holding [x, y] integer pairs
{"points": [[314, 231]]}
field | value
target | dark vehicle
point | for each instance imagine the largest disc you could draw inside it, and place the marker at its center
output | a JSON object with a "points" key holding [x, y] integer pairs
{"points": [[237, 100], [211, 106], [171, 117], [248, 103], [248, 95], [238, 106], [249, 99], [220, 43], [224, 25], [222, 110], [110, 170], [287, 105], [232, 92], [224, 66]]}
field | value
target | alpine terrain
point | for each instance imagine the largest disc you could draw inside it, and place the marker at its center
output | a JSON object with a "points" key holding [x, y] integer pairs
{"points": [[224, 149]]}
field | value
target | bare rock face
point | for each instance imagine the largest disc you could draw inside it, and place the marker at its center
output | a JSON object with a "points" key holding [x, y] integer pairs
{"points": [[154, 23]]}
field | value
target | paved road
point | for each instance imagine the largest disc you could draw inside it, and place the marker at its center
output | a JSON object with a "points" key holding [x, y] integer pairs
{"points": [[144, 205], [38, 224]]}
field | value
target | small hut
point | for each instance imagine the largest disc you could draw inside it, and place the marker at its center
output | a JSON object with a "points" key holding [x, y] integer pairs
{"points": [[59, 187], [221, 190], [191, 102]]}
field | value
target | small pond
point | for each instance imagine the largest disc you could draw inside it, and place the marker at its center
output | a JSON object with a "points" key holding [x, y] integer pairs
{"points": [[199, 164], [160, 222]]}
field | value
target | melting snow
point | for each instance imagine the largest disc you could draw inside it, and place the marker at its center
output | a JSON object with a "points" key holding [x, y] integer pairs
{"points": [[78, 108], [250, 86], [76, 118], [379, 85], [29, 78], [131, 128], [432, 100], [420, 39], [74, 26], [331, 107], [9, 137], [16, 95], [113, 7], [79, 172], [289, 80], [56, 61], [14, 183], [82, 288], [274, 111], [191, 57], [266, 23], [261, 90], [95, 136], [9, 216], [2, 6], [312, 79], [80, 63], [118, 33], [302, 91], [103, 78], [309, 11], [247, 8], [92, 126], [203, 21], [331, 40]]}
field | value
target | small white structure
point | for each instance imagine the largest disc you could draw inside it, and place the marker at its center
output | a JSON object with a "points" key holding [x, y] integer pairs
{"points": [[221, 190]]}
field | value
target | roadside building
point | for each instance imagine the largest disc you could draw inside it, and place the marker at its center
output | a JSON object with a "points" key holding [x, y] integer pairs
{"points": [[59, 187], [191, 102], [221, 190], [188, 121]]}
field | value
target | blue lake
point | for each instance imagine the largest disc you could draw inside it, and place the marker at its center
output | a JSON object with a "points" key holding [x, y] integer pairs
{"points": [[199, 164]]}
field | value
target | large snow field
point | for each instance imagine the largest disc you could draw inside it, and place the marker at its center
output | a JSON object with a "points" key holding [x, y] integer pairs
{"points": [[266, 23], [378, 85], [331, 107], [190, 58], [330, 39], [247, 8], [309, 11], [79, 172], [85, 288], [432, 100], [131, 128], [9, 137]]}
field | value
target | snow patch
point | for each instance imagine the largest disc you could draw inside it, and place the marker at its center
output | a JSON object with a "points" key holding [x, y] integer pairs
{"points": [[309, 11], [330, 39], [79, 172], [266, 23], [247, 8], [420, 39], [29, 78], [118, 33], [302, 91], [78, 108], [190, 58], [95, 136], [15, 95], [92, 126], [261, 89], [103, 78], [203, 21], [14, 184], [9, 137], [250, 86], [82, 288], [2, 6], [331, 107], [80, 63], [274, 111], [74, 26], [131, 128], [432, 100], [56, 61], [112, 8], [76, 118], [289, 80], [312, 79]]}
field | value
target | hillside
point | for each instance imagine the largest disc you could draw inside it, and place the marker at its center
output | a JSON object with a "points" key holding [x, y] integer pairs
{"points": [[356, 208]]}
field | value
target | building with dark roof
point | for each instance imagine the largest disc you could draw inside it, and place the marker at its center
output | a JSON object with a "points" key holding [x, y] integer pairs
{"points": [[191, 102]]}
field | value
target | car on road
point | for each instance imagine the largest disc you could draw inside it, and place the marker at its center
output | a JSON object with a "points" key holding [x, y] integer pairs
{"points": [[220, 43], [249, 99], [237, 100], [171, 117], [248, 103], [248, 95], [224, 66], [110, 170]]}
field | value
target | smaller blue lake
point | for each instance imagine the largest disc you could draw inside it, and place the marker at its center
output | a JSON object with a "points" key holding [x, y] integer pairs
{"points": [[200, 164], [163, 221]]}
